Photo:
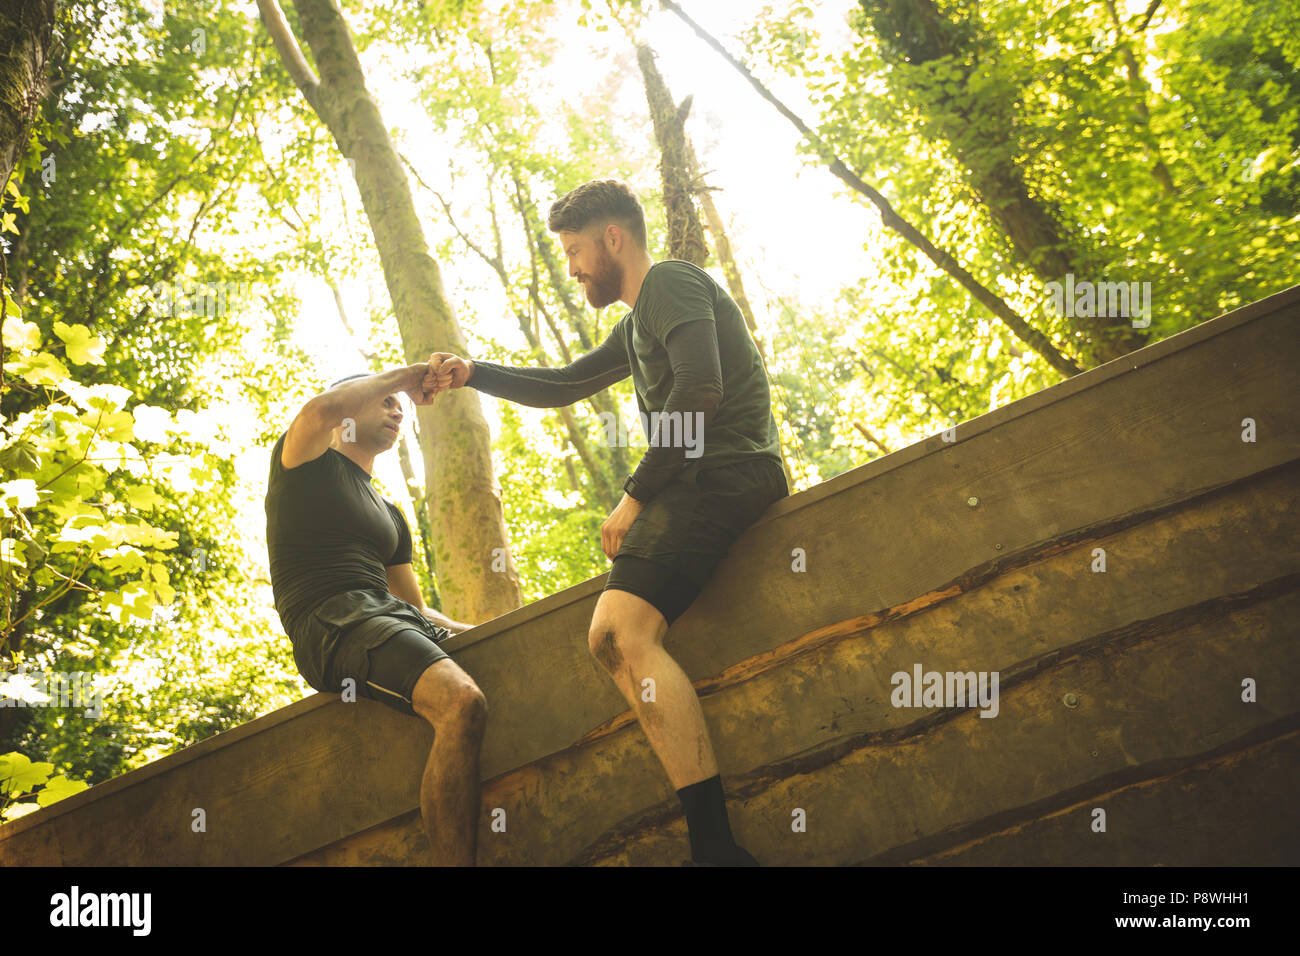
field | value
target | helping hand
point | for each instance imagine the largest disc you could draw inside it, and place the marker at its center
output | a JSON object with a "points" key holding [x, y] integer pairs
{"points": [[422, 393], [449, 371]]}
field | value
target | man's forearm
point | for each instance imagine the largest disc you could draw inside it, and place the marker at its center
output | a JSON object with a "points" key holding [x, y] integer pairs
{"points": [[443, 621], [555, 387], [351, 398], [549, 387]]}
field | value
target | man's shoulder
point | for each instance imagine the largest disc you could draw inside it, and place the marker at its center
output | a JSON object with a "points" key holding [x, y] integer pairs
{"points": [[668, 283], [669, 271], [278, 472]]}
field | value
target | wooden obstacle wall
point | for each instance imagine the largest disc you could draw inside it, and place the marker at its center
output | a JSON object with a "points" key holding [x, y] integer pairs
{"points": [[1119, 690]]}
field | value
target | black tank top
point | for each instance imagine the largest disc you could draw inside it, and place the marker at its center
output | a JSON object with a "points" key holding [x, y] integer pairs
{"points": [[328, 531]]}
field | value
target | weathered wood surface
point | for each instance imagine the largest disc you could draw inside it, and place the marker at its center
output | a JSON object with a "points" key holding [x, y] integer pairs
{"points": [[1142, 456], [827, 693], [1159, 703]]}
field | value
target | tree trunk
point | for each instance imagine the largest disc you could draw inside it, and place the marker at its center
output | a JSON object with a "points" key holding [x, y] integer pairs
{"points": [[464, 496], [1139, 87], [685, 235], [27, 29]]}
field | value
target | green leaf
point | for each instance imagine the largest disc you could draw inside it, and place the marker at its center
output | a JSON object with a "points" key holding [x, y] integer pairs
{"points": [[19, 493], [81, 346], [13, 552], [143, 498], [40, 369], [58, 788], [19, 775], [19, 334], [19, 457]]}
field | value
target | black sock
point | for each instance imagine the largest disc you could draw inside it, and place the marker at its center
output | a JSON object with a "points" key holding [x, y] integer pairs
{"points": [[706, 818]]}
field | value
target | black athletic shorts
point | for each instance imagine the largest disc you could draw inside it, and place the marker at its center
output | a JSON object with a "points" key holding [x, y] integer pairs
{"points": [[676, 542], [372, 638]]}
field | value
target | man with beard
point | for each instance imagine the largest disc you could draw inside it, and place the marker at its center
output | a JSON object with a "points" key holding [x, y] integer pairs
{"points": [[349, 600], [693, 364]]}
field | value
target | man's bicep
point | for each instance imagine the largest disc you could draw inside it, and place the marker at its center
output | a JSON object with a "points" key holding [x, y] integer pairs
{"points": [[306, 440], [692, 349]]}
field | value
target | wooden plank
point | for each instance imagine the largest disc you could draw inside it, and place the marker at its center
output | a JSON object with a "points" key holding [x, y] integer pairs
{"points": [[1194, 816]]}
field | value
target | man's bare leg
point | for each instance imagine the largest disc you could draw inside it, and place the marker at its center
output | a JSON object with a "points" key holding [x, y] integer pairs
{"points": [[626, 637], [449, 699]]}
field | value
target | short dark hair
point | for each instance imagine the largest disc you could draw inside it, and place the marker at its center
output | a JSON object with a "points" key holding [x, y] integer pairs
{"points": [[348, 378], [598, 202]]}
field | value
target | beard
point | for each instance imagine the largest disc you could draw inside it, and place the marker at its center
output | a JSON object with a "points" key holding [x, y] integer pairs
{"points": [[606, 283]]}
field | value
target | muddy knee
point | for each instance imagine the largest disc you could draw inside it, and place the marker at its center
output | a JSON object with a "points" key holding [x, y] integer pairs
{"points": [[450, 701], [468, 710], [604, 645]]}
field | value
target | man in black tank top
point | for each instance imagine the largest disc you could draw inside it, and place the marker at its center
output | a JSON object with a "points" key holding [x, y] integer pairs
{"points": [[348, 597]]}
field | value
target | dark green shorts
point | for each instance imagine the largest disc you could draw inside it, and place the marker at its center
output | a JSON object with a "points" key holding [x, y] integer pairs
{"points": [[680, 536], [373, 639]]}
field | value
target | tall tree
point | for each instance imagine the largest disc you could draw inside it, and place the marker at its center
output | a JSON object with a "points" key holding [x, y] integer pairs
{"points": [[27, 27], [464, 496], [685, 235]]}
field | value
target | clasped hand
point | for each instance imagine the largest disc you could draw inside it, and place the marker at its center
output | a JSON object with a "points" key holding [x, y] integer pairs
{"points": [[446, 370], [443, 371]]}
